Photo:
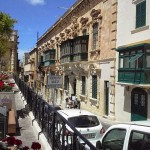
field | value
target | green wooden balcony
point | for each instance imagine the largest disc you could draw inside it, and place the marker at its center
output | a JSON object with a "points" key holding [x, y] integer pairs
{"points": [[141, 76]]}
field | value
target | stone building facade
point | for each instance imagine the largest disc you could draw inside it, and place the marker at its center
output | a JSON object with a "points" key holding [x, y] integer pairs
{"points": [[80, 46], [10, 60], [30, 68]]}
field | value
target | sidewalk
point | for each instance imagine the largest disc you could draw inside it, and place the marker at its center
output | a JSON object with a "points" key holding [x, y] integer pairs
{"points": [[27, 132]]}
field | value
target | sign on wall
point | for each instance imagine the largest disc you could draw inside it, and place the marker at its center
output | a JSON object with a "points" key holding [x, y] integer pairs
{"points": [[54, 81]]}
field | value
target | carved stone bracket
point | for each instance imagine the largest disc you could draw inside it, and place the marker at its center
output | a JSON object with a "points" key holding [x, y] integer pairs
{"points": [[52, 41], [95, 13], [74, 19], [84, 21], [40, 48], [57, 38], [67, 31], [94, 68], [62, 35], [75, 26], [95, 54]]}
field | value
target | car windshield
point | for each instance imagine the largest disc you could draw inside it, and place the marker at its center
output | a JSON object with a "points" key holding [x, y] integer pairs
{"points": [[84, 121]]}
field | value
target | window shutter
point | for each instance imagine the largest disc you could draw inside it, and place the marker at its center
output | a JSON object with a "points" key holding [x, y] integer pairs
{"points": [[94, 86], [141, 14], [83, 85]]}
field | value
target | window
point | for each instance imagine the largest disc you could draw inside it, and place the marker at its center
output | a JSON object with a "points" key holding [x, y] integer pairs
{"points": [[141, 14], [40, 58], [131, 60], [120, 62], [52, 54], [139, 141], [114, 139], [94, 86], [66, 83], [148, 58], [126, 62], [95, 36], [83, 85], [84, 121]]}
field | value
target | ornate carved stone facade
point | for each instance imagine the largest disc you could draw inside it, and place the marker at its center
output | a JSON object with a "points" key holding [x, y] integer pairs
{"points": [[79, 21]]}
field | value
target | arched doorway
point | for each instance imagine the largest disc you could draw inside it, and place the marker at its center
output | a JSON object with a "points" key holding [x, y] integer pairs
{"points": [[138, 104]]}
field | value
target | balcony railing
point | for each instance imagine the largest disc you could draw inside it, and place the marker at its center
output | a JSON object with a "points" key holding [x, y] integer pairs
{"points": [[140, 76], [52, 124]]}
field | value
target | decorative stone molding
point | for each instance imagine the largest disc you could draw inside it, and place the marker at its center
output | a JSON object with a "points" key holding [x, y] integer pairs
{"points": [[45, 45], [67, 31], [74, 19], [39, 48], [57, 38], [95, 54], [74, 27], [68, 34], [95, 14], [94, 68], [84, 21], [62, 35], [52, 41]]}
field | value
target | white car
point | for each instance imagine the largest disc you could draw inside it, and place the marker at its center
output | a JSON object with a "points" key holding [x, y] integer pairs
{"points": [[126, 136], [85, 122]]}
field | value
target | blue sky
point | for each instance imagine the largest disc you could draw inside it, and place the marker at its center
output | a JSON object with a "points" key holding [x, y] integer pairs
{"points": [[33, 16]]}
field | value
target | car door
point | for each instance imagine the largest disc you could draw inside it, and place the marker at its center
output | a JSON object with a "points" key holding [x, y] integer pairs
{"points": [[114, 139], [139, 138]]}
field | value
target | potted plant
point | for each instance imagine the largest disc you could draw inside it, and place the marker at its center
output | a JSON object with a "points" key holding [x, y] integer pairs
{"points": [[6, 91], [11, 142]]}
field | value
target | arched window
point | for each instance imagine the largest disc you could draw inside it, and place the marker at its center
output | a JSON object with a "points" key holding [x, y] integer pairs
{"points": [[95, 36]]}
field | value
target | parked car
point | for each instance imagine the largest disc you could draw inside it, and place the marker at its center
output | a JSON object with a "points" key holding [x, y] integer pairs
{"points": [[126, 136], [84, 121]]}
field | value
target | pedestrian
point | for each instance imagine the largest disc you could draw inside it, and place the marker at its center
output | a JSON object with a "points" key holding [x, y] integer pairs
{"points": [[75, 103], [67, 100], [70, 102]]}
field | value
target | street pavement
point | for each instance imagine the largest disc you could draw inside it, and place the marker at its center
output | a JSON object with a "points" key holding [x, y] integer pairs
{"points": [[106, 122]]}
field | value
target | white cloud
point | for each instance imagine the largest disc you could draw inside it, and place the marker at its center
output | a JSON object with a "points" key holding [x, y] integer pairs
{"points": [[36, 2]]}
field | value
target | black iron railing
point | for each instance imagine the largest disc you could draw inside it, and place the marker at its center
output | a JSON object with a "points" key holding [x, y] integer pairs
{"points": [[52, 124]]}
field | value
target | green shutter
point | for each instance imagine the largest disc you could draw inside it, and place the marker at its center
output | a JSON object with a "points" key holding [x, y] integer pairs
{"points": [[94, 86], [47, 56], [141, 14], [83, 85]]}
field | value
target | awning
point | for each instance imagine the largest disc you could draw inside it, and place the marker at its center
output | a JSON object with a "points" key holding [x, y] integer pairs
{"points": [[134, 45], [133, 85], [134, 58]]}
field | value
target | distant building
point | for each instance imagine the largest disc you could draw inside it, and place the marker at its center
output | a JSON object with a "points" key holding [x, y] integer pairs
{"points": [[10, 60], [80, 47], [25, 58]]}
